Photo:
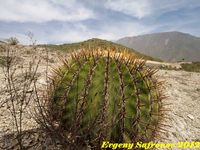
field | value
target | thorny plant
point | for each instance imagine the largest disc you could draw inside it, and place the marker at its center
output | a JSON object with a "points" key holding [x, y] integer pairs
{"points": [[65, 111], [21, 87], [19, 79], [101, 95]]}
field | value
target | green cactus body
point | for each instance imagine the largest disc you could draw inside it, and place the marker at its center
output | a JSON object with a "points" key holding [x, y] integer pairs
{"points": [[106, 95]]}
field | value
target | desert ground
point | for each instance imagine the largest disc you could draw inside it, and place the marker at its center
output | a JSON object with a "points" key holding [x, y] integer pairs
{"points": [[181, 87], [183, 91]]}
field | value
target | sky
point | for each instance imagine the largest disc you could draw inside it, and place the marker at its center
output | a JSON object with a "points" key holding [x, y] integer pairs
{"points": [[67, 21]]}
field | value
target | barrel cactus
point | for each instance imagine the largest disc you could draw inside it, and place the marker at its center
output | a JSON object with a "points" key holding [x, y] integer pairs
{"points": [[105, 95]]}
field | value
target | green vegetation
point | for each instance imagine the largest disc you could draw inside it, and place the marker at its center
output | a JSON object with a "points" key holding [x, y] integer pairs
{"points": [[2, 60], [12, 41], [94, 44], [193, 67], [190, 67], [169, 68], [100, 95], [5, 60]]}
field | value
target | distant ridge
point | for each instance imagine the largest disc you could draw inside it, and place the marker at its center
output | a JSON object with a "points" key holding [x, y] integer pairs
{"points": [[167, 46], [2, 42], [95, 43]]}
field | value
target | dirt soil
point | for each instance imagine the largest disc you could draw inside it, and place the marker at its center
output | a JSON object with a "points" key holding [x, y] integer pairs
{"points": [[182, 89]]}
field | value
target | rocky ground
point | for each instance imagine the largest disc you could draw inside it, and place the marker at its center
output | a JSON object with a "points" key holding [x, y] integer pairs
{"points": [[26, 56], [182, 89]]}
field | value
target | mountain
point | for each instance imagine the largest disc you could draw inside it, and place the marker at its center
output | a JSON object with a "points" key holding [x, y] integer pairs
{"points": [[95, 43], [2, 42], [167, 46]]}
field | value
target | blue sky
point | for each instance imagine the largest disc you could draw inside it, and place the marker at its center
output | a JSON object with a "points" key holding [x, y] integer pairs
{"points": [[65, 21]]}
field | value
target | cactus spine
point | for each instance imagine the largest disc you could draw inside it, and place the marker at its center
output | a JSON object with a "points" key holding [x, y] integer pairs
{"points": [[103, 95]]}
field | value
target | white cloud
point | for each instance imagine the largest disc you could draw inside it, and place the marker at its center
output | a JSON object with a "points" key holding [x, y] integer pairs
{"points": [[68, 16], [43, 11], [119, 30], [146, 8], [79, 32], [108, 31], [136, 8]]}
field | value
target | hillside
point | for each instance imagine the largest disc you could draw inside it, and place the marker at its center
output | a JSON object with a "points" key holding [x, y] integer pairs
{"points": [[94, 43], [2, 42], [167, 46]]}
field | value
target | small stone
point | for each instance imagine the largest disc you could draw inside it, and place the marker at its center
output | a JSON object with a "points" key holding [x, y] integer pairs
{"points": [[190, 116]]}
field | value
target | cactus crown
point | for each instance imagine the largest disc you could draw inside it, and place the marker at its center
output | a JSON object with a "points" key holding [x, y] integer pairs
{"points": [[102, 95]]}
